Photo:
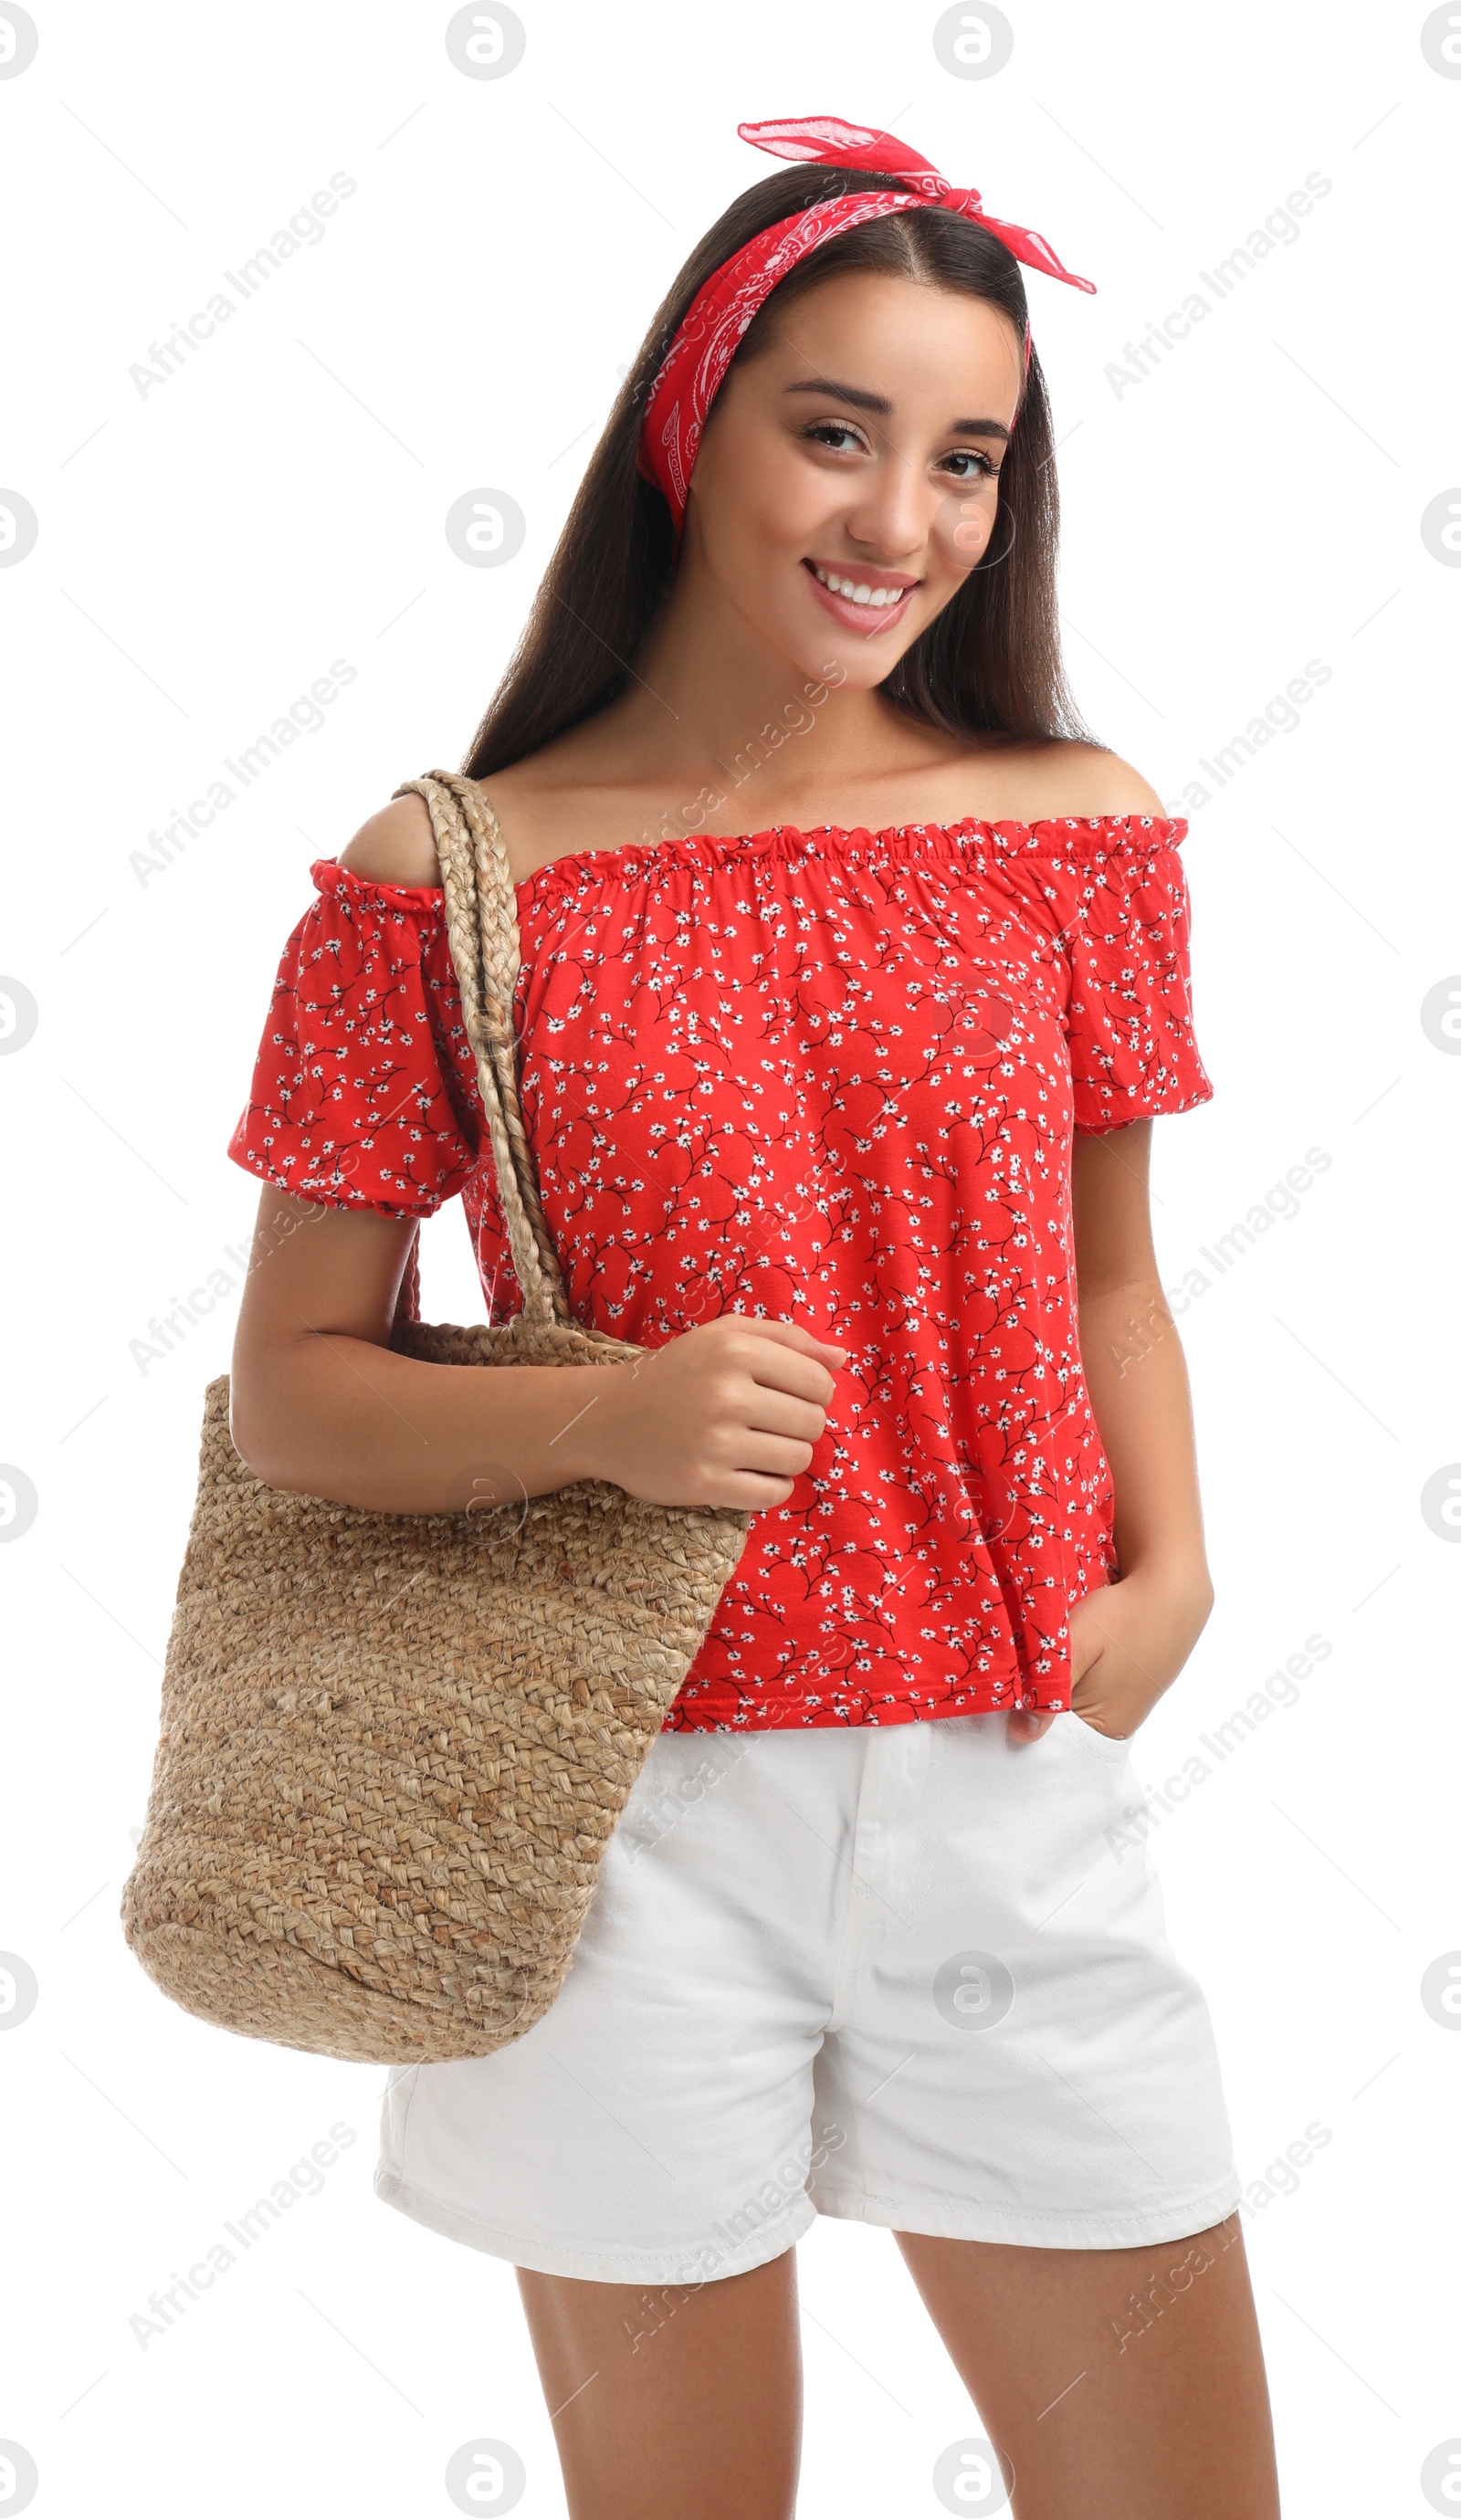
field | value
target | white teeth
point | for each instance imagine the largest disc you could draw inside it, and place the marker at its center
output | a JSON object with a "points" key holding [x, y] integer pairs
{"points": [[847, 587]]}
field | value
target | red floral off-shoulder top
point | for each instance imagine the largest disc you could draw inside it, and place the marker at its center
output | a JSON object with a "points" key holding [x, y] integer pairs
{"points": [[828, 1076]]}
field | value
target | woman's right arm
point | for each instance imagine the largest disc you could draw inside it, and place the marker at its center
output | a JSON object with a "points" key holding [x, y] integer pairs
{"points": [[725, 1414]]}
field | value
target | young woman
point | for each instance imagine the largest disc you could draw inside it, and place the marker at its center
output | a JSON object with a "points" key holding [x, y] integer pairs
{"points": [[853, 974]]}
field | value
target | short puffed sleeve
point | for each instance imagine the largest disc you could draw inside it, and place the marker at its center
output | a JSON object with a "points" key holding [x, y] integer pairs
{"points": [[363, 1093], [1126, 938]]}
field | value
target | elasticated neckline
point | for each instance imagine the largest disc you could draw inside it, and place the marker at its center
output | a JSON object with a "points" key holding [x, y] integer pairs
{"points": [[1065, 835]]}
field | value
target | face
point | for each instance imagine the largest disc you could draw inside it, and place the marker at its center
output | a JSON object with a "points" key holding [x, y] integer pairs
{"points": [[848, 478]]}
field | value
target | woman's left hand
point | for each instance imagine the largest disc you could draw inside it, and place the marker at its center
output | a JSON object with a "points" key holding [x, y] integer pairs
{"points": [[1128, 1642]]}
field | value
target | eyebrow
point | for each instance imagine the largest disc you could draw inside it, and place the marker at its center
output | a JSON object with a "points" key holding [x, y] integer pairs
{"points": [[882, 408]]}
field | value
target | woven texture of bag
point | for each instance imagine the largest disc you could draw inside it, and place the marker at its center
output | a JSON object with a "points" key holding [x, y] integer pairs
{"points": [[393, 1746]]}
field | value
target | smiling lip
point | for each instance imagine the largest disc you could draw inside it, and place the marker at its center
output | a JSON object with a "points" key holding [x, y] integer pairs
{"points": [[886, 599]]}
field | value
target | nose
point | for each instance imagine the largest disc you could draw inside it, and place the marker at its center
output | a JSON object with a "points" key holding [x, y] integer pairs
{"points": [[892, 511]]}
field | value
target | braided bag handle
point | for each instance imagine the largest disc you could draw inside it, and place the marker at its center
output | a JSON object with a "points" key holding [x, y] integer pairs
{"points": [[481, 930]]}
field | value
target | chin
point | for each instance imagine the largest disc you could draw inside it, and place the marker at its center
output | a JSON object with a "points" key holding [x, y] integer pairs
{"points": [[863, 665], [860, 671]]}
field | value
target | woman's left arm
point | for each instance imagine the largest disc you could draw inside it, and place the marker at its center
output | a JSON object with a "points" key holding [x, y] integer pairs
{"points": [[1130, 1640]]}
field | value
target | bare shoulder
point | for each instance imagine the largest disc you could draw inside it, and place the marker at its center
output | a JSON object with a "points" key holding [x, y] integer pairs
{"points": [[1084, 778], [395, 846]]}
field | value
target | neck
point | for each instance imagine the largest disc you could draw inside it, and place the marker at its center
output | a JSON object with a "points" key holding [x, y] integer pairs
{"points": [[708, 697]]}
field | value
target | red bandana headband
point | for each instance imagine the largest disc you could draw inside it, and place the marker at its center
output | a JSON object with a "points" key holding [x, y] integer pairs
{"points": [[694, 369]]}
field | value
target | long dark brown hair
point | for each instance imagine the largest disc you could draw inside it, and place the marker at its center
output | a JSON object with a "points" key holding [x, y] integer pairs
{"points": [[989, 663]]}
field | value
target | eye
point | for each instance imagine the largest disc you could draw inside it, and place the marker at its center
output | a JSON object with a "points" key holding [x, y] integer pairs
{"points": [[838, 435], [983, 468]]}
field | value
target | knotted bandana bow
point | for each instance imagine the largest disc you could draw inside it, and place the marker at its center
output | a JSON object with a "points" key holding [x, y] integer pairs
{"points": [[715, 323]]}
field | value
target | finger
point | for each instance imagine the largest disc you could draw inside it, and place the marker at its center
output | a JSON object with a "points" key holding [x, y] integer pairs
{"points": [[773, 1410], [777, 1456], [1027, 1723], [748, 1492], [799, 1374]]}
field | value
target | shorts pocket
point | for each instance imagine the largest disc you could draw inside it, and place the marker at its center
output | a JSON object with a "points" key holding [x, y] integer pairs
{"points": [[1107, 1745]]}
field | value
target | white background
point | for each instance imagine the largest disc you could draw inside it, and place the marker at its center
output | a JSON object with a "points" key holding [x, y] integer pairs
{"points": [[207, 550]]}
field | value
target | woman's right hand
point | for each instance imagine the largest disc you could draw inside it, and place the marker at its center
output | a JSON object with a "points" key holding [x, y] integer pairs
{"points": [[725, 1414], [324, 1406]]}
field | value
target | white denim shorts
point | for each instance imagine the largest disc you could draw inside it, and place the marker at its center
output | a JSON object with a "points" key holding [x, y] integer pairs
{"points": [[898, 1975]]}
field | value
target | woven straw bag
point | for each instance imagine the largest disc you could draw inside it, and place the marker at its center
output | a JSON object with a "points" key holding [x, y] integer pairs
{"points": [[395, 1746]]}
